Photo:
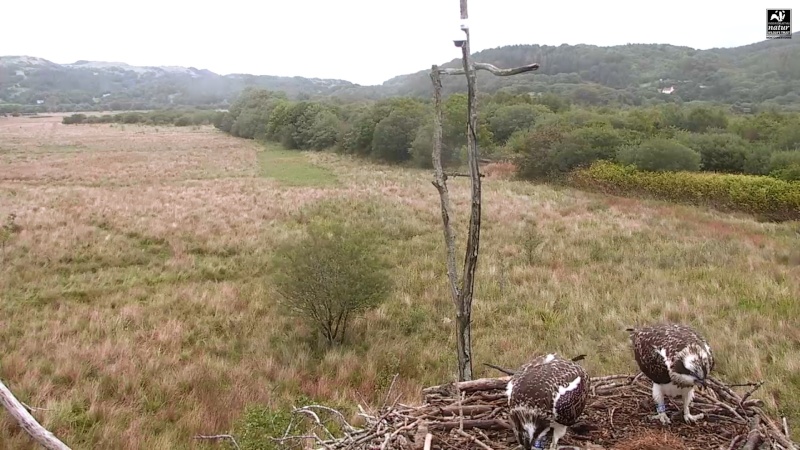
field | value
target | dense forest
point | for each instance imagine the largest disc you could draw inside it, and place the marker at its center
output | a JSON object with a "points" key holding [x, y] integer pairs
{"points": [[761, 75]]}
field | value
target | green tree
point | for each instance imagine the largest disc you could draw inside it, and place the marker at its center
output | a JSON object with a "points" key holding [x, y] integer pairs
{"points": [[660, 155], [719, 152], [330, 277], [508, 119], [393, 135]]}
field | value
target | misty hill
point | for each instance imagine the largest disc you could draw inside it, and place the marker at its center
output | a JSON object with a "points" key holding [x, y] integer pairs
{"points": [[90, 85], [764, 72]]}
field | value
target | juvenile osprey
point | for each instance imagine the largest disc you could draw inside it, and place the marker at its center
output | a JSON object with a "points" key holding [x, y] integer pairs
{"points": [[546, 396], [676, 359]]}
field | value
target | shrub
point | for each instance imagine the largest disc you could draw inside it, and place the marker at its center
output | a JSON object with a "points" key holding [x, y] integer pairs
{"points": [[74, 119], [508, 119], [720, 152], [583, 146], [183, 121], [785, 165], [762, 196], [660, 155], [329, 277], [535, 147]]}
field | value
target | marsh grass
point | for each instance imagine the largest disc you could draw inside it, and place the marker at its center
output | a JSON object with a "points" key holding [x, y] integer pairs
{"points": [[292, 168], [136, 306]]}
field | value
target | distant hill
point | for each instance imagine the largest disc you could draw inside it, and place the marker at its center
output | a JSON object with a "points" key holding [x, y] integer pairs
{"points": [[764, 72], [99, 85]]}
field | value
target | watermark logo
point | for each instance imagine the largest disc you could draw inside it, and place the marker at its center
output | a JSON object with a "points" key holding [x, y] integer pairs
{"points": [[779, 24]]}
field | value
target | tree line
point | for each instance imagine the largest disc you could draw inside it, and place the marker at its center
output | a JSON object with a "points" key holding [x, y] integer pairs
{"points": [[547, 134], [548, 138]]}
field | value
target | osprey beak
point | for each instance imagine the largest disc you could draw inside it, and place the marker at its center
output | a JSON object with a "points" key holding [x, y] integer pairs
{"points": [[700, 383]]}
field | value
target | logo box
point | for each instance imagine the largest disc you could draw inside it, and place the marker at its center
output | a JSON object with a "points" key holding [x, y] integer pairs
{"points": [[779, 23]]}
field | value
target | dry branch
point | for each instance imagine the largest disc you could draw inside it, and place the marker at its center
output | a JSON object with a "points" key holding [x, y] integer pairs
{"points": [[39, 434], [494, 70], [471, 415]]}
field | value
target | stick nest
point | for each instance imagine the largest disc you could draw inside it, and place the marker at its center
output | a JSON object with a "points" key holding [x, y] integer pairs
{"points": [[473, 415]]}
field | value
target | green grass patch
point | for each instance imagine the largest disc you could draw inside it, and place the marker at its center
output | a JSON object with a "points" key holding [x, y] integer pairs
{"points": [[292, 168]]}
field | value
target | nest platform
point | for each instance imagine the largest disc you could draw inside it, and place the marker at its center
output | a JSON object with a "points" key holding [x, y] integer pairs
{"points": [[472, 415]]}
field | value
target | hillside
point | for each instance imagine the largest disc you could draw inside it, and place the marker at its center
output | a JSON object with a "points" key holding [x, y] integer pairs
{"points": [[766, 71], [763, 72], [94, 85]]}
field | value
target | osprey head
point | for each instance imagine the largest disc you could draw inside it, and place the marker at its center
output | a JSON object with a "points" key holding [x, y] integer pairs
{"points": [[533, 436], [692, 366]]}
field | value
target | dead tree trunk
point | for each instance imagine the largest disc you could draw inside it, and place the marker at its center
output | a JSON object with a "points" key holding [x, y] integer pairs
{"points": [[39, 434], [462, 292]]}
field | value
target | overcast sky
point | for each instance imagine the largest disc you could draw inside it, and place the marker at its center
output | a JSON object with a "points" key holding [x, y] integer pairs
{"points": [[363, 41]]}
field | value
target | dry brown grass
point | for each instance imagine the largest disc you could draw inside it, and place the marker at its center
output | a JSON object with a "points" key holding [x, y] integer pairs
{"points": [[502, 170], [136, 308]]}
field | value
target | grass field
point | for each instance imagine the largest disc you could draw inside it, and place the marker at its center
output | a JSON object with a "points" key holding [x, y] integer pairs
{"points": [[135, 304]]}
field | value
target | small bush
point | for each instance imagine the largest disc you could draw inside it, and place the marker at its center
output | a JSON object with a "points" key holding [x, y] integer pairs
{"points": [[74, 119], [535, 149], [422, 148], [719, 152], [762, 196], [329, 277], [183, 121], [259, 425], [660, 155], [785, 165], [583, 146]]}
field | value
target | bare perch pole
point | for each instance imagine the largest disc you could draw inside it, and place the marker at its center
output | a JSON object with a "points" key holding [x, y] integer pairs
{"points": [[462, 292], [45, 438]]}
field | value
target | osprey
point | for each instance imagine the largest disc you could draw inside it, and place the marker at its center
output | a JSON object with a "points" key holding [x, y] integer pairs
{"points": [[546, 396], [676, 358]]}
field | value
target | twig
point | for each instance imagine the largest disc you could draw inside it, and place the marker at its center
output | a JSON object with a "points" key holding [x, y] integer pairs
{"points": [[389, 391], [336, 413], [611, 417], [428, 441], [32, 409], [459, 174], [734, 442], [750, 392], [754, 436], [219, 437], [475, 440]]}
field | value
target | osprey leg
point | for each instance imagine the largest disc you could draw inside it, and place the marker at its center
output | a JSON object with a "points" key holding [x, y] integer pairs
{"points": [[558, 432], [688, 395], [661, 406]]}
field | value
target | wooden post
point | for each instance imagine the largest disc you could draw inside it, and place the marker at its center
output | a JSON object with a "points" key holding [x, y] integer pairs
{"points": [[39, 434], [462, 293]]}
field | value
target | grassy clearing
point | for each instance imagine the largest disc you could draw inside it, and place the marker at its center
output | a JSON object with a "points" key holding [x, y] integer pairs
{"points": [[292, 168], [136, 305]]}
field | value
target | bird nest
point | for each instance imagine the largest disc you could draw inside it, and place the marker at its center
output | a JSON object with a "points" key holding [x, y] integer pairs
{"points": [[473, 415]]}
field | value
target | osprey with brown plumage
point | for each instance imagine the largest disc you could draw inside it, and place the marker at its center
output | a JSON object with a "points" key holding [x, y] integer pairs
{"points": [[546, 396], [676, 358]]}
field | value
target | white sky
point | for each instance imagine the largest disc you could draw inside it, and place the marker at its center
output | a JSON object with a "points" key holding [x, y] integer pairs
{"points": [[355, 40]]}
